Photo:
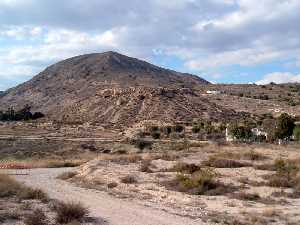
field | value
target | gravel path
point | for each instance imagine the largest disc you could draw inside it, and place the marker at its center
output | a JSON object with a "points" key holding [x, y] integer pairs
{"points": [[113, 210]]}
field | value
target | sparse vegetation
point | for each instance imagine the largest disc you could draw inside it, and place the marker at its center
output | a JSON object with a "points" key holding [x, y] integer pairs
{"points": [[129, 179], [145, 166], [23, 114], [285, 176], [37, 217], [70, 212], [296, 132], [142, 144], [125, 159], [185, 168], [11, 188], [247, 196], [285, 126], [225, 163], [201, 182]]}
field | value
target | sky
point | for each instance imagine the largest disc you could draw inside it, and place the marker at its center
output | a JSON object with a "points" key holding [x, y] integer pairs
{"points": [[223, 41]]}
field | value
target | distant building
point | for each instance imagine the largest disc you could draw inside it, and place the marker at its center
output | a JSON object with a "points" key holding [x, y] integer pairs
{"points": [[256, 132], [213, 92], [259, 133]]}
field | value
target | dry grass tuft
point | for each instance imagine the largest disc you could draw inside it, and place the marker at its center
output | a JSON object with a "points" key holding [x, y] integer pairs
{"points": [[185, 168], [42, 163], [69, 212], [129, 179], [112, 185], [225, 163], [38, 217], [8, 186], [245, 155], [31, 193], [145, 166], [202, 182], [253, 156], [247, 196], [11, 188], [123, 159]]}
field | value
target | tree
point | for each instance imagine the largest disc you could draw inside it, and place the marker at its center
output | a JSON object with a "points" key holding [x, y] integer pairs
{"points": [[240, 132], [269, 126], [23, 114], [37, 115], [285, 125], [296, 132]]}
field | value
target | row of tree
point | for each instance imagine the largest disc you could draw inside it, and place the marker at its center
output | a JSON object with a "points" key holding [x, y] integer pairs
{"points": [[21, 115], [281, 128]]}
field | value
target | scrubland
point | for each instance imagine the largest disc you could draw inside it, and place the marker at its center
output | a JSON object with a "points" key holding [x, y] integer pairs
{"points": [[223, 184]]}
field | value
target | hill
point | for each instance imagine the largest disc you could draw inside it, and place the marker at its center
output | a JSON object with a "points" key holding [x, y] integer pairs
{"points": [[114, 89]]}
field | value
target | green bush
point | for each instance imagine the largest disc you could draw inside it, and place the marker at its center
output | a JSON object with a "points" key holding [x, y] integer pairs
{"points": [[202, 182], [285, 125], [296, 133], [24, 114]]}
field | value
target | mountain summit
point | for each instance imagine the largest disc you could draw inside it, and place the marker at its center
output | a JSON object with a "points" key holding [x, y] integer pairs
{"points": [[114, 89], [111, 68]]}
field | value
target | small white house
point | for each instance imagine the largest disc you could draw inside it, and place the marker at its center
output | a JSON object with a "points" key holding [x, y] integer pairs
{"points": [[213, 92], [257, 132]]}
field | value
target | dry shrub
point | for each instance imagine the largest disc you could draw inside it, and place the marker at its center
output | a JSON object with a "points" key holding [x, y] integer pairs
{"points": [[287, 175], [268, 167], [225, 163], [31, 193], [125, 159], [145, 166], [169, 157], [9, 215], [247, 196], [69, 212], [185, 168], [248, 155], [164, 156], [67, 175], [63, 163], [277, 180], [10, 187], [280, 165], [38, 217], [202, 182], [112, 185], [253, 156], [129, 179]]}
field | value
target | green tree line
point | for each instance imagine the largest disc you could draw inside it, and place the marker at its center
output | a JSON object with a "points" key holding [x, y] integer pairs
{"points": [[21, 115]]}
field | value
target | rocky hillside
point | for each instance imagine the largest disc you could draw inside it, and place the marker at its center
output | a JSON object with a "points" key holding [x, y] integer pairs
{"points": [[114, 89]]}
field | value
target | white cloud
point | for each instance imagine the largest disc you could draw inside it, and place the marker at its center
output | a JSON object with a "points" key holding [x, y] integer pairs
{"points": [[206, 34], [279, 77], [244, 57], [20, 32]]}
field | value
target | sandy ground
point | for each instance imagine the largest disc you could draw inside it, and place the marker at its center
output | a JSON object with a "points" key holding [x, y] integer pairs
{"points": [[114, 211]]}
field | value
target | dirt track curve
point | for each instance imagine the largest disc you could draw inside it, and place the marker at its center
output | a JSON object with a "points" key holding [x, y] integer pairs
{"points": [[113, 210]]}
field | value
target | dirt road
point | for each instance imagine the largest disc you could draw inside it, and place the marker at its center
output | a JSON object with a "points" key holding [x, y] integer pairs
{"points": [[113, 210]]}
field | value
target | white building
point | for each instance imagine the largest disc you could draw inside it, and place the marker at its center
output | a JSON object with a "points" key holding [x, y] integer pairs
{"points": [[213, 92]]}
